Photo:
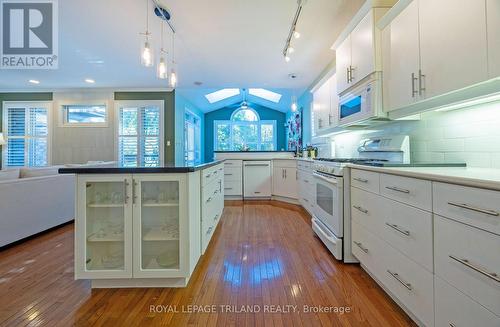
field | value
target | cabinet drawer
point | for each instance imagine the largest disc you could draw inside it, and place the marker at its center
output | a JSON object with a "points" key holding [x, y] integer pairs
{"points": [[233, 163], [412, 191], [210, 174], [285, 163], [304, 165], [410, 283], [408, 230], [473, 206], [365, 180], [453, 308], [232, 173], [468, 258], [233, 188], [367, 248], [366, 210]]}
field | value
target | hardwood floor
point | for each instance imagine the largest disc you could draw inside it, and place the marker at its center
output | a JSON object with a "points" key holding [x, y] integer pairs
{"points": [[262, 254]]}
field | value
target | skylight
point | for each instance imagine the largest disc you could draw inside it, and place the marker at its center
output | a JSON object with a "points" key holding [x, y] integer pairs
{"points": [[266, 94], [221, 95]]}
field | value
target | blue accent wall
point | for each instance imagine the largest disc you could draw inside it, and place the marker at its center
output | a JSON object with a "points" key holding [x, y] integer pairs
{"points": [[181, 105], [225, 114], [304, 103]]}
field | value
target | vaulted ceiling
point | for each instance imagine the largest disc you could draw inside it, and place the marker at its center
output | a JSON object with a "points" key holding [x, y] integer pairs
{"points": [[220, 43]]}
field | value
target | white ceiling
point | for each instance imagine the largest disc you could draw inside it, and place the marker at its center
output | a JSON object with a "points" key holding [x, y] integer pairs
{"points": [[221, 43]]}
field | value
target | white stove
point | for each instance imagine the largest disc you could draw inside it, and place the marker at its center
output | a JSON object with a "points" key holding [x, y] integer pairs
{"points": [[331, 217]]}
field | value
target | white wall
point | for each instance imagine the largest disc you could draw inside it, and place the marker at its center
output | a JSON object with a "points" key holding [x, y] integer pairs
{"points": [[469, 135], [81, 144]]}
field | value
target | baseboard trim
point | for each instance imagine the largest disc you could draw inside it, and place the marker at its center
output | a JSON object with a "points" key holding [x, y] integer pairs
{"points": [[28, 238]]}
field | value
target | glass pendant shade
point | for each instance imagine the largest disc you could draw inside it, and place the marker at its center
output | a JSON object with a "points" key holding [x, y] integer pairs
{"points": [[173, 79], [162, 71], [147, 57]]}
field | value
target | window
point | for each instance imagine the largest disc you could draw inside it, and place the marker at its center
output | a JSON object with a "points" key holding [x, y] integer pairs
{"points": [[27, 131], [192, 139], [140, 134], [265, 94], [245, 131], [88, 115], [221, 95]]}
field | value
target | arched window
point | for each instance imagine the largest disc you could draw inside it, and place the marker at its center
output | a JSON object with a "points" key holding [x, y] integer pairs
{"points": [[245, 114], [245, 132]]}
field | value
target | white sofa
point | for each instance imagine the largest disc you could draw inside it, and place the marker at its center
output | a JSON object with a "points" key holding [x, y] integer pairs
{"points": [[33, 200]]}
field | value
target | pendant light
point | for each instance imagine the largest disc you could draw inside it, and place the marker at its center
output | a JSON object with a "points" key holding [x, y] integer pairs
{"points": [[162, 70], [173, 75], [147, 55], [294, 106]]}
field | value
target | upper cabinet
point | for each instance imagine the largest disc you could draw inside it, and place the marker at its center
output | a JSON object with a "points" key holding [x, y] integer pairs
{"points": [[343, 64], [362, 49], [357, 50], [325, 105], [493, 27], [432, 48], [453, 44], [402, 58]]}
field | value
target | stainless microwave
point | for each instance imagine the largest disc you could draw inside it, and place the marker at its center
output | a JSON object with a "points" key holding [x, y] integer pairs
{"points": [[361, 104]]}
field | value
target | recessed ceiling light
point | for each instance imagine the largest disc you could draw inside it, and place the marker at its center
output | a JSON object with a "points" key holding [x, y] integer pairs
{"points": [[34, 81], [89, 80], [221, 95]]}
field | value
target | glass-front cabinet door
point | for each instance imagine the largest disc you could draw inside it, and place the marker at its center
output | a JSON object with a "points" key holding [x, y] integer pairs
{"points": [[160, 225], [104, 222]]}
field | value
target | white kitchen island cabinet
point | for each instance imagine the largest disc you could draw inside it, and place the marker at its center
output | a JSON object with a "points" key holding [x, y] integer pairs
{"points": [[141, 227]]}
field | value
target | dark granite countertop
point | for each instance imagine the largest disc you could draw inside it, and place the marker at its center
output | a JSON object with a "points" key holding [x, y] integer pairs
{"points": [[137, 170]]}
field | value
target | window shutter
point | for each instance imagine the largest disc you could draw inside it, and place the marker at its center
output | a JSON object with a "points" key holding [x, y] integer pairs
{"points": [[16, 122]]}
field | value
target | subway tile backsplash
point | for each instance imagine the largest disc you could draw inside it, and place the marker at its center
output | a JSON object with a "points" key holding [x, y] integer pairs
{"points": [[469, 135]]}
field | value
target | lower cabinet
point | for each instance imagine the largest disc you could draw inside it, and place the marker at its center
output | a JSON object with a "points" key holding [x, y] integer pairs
{"points": [[444, 270], [136, 226], [454, 308], [285, 178], [212, 205], [306, 191]]}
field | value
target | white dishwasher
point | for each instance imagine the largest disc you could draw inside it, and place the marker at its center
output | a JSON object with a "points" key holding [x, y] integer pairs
{"points": [[257, 179]]}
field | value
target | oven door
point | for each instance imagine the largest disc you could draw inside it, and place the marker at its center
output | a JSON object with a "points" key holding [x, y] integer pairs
{"points": [[329, 208]]}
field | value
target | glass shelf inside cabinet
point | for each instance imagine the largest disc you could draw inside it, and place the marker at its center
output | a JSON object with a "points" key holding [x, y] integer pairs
{"points": [[160, 224], [105, 223]]}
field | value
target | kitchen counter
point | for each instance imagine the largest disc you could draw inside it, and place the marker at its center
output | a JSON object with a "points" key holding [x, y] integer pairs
{"points": [[172, 169], [488, 178]]}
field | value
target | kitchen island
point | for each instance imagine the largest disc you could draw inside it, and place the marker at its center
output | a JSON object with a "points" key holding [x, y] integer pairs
{"points": [[144, 226]]}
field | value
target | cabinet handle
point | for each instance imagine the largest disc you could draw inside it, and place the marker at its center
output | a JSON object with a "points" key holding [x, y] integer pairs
{"points": [[306, 181], [209, 230], [420, 78], [347, 75], [305, 199], [285, 172], [216, 191], [360, 209], [228, 188], [228, 163], [134, 196], [216, 217], [397, 189], [125, 192], [351, 78], [209, 199], [480, 270], [208, 175], [413, 91], [469, 207], [360, 245], [362, 180], [396, 276], [228, 174], [398, 228]]}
